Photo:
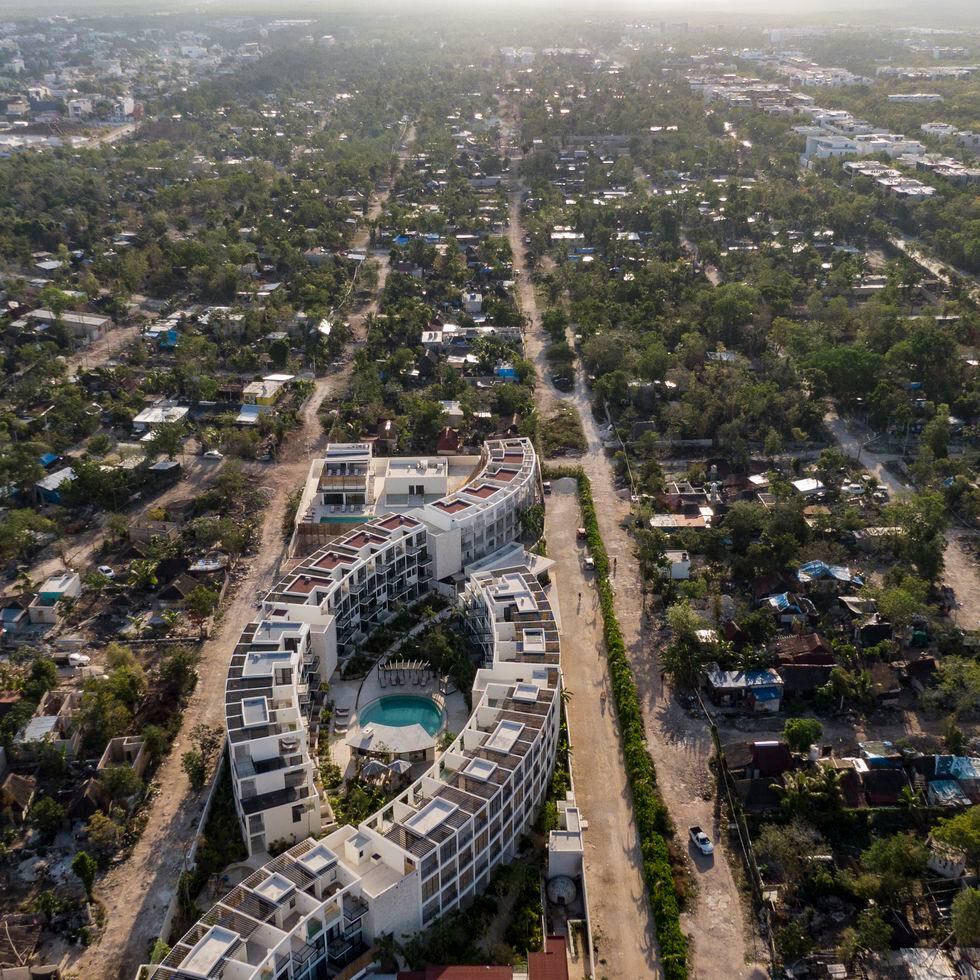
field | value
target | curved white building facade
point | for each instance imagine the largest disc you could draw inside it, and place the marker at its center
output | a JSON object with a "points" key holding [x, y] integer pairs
{"points": [[311, 911]]}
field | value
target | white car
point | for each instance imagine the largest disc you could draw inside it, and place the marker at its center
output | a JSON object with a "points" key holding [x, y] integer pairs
{"points": [[79, 660], [214, 454], [106, 571], [701, 840]]}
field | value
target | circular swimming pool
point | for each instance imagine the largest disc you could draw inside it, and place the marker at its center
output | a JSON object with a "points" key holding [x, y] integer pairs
{"points": [[401, 710]]}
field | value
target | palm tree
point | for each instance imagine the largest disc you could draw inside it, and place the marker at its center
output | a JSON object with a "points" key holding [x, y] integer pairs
{"points": [[802, 792], [143, 573], [96, 583], [137, 625], [911, 799], [171, 617]]}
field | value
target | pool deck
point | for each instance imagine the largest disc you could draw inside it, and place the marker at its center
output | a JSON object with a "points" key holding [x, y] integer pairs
{"points": [[353, 694]]}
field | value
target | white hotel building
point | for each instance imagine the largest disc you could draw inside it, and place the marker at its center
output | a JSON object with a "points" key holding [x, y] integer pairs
{"points": [[314, 910]]}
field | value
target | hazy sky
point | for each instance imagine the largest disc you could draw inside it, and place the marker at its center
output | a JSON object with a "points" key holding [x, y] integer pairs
{"points": [[933, 13]]}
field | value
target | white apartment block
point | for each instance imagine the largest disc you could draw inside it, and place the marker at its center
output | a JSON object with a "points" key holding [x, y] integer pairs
{"points": [[320, 613], [316, 908], [915, 97]]}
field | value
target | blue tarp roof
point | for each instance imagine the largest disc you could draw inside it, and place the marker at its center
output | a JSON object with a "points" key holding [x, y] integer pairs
{"points": [[47, 459], [820, 569], [948, 792], [758, 679], [958, 766], [784, 603]]}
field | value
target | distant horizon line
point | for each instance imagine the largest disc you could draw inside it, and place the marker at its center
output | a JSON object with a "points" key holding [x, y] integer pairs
{"points": [[951, 15]]}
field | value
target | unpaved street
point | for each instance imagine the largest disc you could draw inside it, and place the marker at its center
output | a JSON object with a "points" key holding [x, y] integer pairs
{"points": [[722, 942], [137, 893], [960, 571], [621, 921]]}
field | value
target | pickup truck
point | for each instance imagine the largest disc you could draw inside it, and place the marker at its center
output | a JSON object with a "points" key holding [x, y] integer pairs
{"points": [[701, 840]]}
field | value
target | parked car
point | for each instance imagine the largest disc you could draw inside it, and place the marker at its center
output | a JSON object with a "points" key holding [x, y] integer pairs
{"points": [[547, 486], [581, 534], [214, 454], [79, 659], [562, 383], [107, 571], [701, 840]]}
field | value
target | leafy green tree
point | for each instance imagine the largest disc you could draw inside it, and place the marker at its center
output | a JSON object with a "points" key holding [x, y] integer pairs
{"points": [[955, 687], [178, 672], [897, 862], [104, 836], [787, 849], [192, 762], [47, 817], [962, 831], [800, 733], [19, 532], [47, 904], [201, 603], [868, 939], [120, 783], [923, 518], [901, 601], [686, 655], [966, 916], [793, 942], [168, 439], [41, 677], [85, 867]]}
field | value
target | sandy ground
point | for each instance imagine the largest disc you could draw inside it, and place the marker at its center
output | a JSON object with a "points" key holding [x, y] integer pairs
{"points": [[722, 943], [102, 350], [960, 571], [621, 921], [137, 893]]}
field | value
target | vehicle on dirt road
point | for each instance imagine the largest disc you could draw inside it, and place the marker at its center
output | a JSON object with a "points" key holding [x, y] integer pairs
{"points": [[701, 840]]}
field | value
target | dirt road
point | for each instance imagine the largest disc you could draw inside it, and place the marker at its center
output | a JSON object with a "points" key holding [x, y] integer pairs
{"points": [[137, 893], [960, 572], [80, 550], [722, 941], [622, 925]]}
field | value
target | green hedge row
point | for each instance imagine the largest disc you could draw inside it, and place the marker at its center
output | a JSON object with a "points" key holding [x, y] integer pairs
{"points": [[653, 823]]}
